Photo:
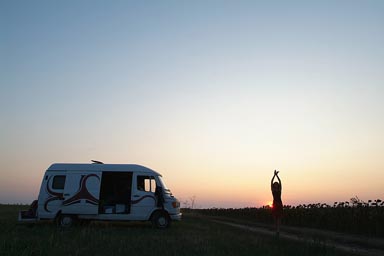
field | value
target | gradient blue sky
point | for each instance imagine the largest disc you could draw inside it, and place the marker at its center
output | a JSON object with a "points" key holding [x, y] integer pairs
{"points": [[214, 95]]}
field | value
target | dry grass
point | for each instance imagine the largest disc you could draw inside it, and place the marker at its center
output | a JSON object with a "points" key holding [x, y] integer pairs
{"points": [[191, 236]]}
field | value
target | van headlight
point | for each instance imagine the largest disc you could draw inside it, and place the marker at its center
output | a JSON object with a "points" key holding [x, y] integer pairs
{"points": [[176, 204]]}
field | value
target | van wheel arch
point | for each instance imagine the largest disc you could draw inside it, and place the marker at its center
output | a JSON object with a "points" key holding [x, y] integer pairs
{"points": [[160, 219], [56, 219]]}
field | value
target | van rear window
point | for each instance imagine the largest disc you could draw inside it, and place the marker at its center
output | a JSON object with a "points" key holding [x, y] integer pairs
{"points": [[58, 182]]}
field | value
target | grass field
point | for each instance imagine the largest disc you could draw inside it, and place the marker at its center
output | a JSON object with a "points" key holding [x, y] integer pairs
{"points": [[191, 236]]}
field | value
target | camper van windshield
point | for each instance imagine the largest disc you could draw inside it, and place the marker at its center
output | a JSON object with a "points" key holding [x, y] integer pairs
{"points": [[165, 188]]}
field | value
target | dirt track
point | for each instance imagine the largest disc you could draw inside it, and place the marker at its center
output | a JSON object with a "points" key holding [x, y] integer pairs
{"points": [[344, 242]]}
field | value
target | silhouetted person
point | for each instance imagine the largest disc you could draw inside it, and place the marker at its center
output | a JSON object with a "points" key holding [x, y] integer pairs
{"points": [[277, 207]]}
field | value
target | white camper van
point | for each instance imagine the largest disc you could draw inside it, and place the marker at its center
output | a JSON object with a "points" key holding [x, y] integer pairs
{"points": [[123, 192]]}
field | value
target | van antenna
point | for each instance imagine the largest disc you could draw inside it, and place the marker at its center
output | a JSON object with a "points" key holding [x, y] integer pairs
{"points": [[97, 162]]}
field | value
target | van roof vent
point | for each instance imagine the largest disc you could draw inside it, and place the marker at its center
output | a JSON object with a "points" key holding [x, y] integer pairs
{"points": [[96, 162]]}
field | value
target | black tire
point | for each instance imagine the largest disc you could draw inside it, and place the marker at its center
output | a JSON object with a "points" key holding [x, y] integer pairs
{"points": [[161, 220], [66, 221]]}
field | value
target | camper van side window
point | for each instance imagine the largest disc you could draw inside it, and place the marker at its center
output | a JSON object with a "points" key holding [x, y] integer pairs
{"points": [[146, 183], [58, 182]]}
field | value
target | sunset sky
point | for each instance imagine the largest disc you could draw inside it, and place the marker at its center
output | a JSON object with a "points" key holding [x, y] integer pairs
{"points": [[215, 95]]}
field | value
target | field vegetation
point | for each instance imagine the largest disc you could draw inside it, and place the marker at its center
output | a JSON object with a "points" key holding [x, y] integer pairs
{"points": [[353, 217], [192, 236]]}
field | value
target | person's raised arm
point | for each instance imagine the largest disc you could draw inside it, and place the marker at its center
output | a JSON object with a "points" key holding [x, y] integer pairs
{"points": [[279, 180], [273, 178]]}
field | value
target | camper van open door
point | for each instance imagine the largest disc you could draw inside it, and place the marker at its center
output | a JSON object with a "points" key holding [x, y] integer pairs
{"points": [[81, 193]]}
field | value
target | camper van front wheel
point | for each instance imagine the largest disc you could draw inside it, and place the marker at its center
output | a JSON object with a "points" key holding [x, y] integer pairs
{"points": [[160, 220], [66, 221]]}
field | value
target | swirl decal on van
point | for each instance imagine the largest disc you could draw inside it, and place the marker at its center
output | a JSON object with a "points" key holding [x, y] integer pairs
{"points": [[83, 193], [52, 196], [140, 199]]}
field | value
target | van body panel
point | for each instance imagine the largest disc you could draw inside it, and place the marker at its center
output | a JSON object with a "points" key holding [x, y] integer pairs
{"points": [[144, 201], [51, 194], [81, 193]]}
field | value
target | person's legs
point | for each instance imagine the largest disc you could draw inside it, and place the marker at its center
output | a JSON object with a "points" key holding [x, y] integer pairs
{"points": [[278, 222]]}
